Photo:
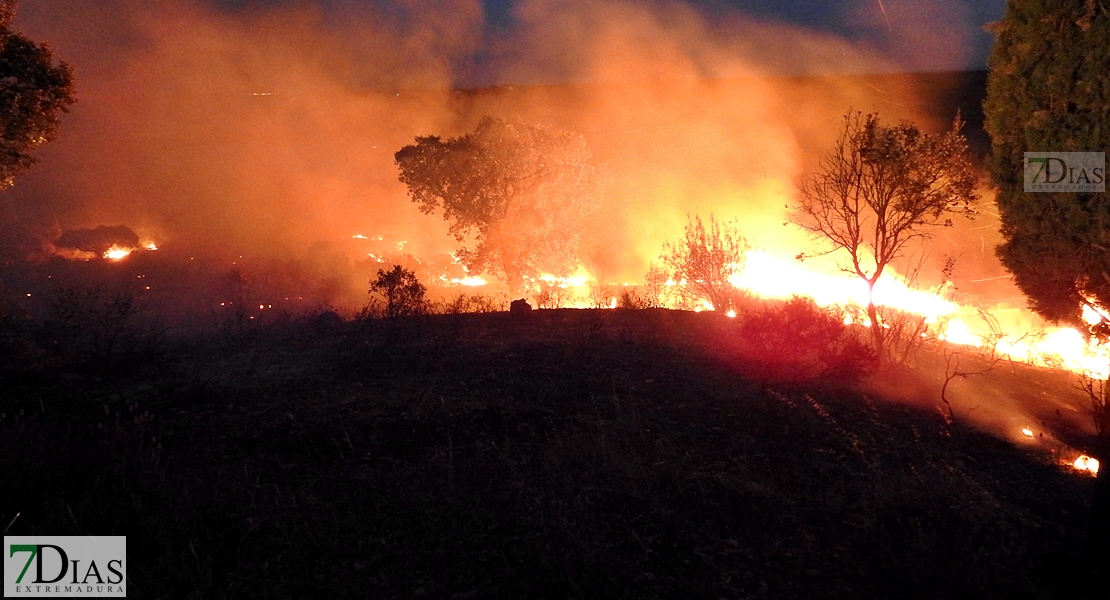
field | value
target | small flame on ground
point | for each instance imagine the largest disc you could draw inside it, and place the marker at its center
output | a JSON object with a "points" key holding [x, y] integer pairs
{"points": [[1028, 432], [469, 281], [150, 245], [1086, 463]]}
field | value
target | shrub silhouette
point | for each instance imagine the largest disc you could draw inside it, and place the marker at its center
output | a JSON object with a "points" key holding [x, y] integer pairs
{"points": [[707, 257], [800, 342], [402, 291]]}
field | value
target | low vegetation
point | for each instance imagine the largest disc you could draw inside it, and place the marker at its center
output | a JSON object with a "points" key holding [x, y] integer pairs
{"points": [[558, 454]]}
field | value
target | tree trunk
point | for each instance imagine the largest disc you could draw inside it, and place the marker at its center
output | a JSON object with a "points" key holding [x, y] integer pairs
{"points": [[873, 315]]}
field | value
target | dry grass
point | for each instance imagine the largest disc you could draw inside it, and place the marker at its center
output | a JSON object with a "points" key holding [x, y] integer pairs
{"points": [[557, 454]]}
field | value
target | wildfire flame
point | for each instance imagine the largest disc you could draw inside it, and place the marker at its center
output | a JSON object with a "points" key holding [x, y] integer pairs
{"points": [[768, 276], [1086, 463], [993, 329], [117, 252]]}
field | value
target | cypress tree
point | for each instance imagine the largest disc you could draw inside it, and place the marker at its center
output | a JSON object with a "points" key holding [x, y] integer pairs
{"points": [[1049, 91]]}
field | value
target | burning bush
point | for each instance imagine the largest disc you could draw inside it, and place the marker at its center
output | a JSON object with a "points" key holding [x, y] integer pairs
{"points": [[707, 258], [472, 303], [802, 342], [402, 291]]}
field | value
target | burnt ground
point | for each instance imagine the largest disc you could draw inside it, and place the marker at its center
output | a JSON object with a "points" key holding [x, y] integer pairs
{"points": [[558, 454]]}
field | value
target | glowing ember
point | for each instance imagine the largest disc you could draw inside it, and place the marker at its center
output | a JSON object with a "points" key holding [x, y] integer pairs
{"points": [[150, 245], [1086, 463], [731, 313], [1028, 432], [117, 252]]}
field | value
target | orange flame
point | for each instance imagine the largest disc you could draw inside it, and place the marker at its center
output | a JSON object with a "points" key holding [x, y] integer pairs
{"points": [[772, 277], [117, 252], [1086, 463]]}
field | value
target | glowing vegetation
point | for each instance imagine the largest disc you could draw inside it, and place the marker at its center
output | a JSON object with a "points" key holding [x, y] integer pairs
{"points": [[516, 195]]}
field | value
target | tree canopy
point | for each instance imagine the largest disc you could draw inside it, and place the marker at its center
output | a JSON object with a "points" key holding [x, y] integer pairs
{"points": [[33, 91], [881, 188], [1049, 91], [516, 195]]}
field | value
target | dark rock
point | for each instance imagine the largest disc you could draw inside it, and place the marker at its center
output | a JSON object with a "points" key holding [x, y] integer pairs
{"points": [[519, 306]]}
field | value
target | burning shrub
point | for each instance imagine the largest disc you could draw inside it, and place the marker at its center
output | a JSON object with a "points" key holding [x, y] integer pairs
{"points": [[655, 287], [551, 295], [472, 303], [905, 333], [630, 298], [801, 342], [706, 259], [402, 291]]}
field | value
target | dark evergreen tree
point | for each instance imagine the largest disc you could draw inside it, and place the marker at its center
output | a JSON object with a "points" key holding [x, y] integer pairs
{"points": [[1049, 91]]}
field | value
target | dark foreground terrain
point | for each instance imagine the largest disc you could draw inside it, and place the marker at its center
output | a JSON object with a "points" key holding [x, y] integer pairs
{"points": [[557, 454]]}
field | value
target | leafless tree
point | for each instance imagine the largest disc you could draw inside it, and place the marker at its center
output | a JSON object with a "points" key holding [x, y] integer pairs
{"points": [[882, 188]]}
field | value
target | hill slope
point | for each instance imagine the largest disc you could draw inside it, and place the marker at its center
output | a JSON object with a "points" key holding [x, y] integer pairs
{"points": [[558, 454]]}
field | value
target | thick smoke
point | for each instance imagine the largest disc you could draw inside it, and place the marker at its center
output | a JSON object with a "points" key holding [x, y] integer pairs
{"points": [[265, 134]]}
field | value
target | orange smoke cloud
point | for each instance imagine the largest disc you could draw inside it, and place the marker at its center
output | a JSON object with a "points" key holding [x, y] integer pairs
{"points": [[270, 132]]}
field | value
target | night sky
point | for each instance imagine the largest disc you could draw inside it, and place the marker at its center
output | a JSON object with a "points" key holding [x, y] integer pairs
{"points": [[915, 35]]}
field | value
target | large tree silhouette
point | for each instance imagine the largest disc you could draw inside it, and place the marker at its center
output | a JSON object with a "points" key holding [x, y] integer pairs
{"points": [[1049, 91], [33, 91], [515, 194]]}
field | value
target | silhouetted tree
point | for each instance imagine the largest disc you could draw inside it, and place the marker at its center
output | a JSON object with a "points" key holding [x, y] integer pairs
{"points": [[516, 195], [882, 188], [402, 291], [1049, 91], [707, 259], [33, 90]]}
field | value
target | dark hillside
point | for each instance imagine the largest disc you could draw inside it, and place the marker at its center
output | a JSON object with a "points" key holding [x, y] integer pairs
{"points": [[556, 454]]}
